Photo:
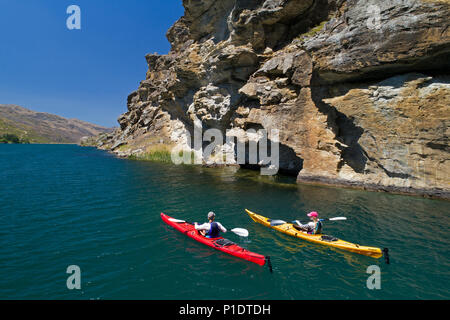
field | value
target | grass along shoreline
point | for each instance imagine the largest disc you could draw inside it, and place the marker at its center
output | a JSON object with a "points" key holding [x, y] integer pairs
{"points": [[157, 153]]}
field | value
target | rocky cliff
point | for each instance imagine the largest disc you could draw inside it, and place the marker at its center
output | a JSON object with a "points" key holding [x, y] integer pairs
{"points": [[359, 90]]}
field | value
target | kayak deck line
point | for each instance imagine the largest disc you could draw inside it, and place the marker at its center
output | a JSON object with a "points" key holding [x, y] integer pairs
{"points": [[219, 243], [288, 229]]}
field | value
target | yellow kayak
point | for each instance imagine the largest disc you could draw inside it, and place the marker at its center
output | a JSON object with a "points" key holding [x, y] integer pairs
{"points": [[288, 228]]}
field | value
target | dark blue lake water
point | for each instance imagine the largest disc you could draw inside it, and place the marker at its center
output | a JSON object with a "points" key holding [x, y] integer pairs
{"points": [[63, 205]]}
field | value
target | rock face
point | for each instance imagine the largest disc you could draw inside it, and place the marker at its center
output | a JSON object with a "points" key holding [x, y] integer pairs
{"points": [[359, 90], [40, 127]]}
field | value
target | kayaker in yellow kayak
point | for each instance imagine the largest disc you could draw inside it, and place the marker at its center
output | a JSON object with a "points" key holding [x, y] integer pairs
{"points": [[210, 229], [313, 227]]}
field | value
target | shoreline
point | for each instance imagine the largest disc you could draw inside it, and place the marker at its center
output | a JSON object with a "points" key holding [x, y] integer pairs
{"points": [[435, 194], [408, 191], [49, 143]]}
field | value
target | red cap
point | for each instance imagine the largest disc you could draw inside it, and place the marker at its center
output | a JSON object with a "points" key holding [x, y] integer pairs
{"points": [[313, 214]]}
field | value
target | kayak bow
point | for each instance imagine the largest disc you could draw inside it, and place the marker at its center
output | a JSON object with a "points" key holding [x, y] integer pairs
{"points": [[220, 243], [289, 229]]}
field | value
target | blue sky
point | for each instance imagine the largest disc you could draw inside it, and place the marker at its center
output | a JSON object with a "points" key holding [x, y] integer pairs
{"points": [[85, 74]]}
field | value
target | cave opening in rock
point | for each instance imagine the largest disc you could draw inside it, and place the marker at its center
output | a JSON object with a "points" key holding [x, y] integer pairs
{"points": [[289, 163]]}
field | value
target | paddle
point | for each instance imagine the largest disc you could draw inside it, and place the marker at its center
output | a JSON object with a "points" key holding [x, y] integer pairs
{"points": [[335, 219], [239, 231], [275, 223]]}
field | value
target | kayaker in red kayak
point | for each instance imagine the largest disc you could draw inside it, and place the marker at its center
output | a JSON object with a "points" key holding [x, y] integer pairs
{"points": [[313, 227], [210, 229]]}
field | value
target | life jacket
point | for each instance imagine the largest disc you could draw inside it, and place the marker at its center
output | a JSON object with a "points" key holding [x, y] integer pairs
{"points": [[318, 229], [213, 230]]}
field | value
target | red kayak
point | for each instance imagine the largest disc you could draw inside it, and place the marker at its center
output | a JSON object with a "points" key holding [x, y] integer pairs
{"points": [[220, 243]]}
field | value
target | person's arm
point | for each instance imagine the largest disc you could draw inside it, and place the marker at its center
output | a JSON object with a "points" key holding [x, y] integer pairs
{"points": [[204, 226], [221, 227]]}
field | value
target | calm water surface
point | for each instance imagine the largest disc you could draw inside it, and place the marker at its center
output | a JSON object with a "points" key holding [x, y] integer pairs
{"points": [[64, 205]]}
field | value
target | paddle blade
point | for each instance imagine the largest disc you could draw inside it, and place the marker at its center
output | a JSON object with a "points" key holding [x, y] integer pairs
{"points": [[337, 218], [240, 232], [176, 220], [274, 223]]}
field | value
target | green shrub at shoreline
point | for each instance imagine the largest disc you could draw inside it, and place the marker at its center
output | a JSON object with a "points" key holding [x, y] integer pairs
{"points": [[12, 139]]}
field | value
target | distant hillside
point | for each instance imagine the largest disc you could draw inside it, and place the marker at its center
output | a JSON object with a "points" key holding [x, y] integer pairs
{"points": [[38, 127]]}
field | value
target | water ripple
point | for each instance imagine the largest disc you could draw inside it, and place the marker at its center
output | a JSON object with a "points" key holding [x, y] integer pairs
{"points": [[63, 205]]}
